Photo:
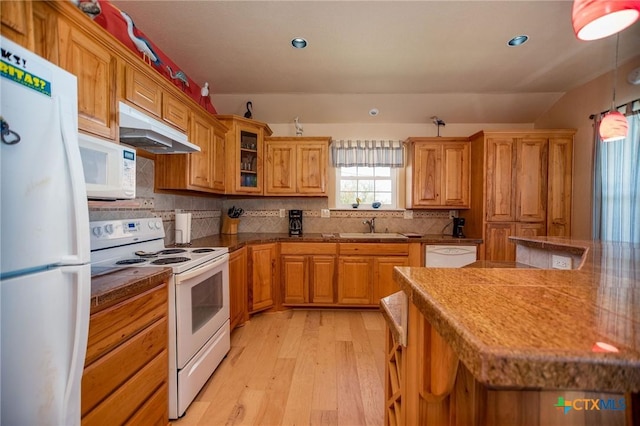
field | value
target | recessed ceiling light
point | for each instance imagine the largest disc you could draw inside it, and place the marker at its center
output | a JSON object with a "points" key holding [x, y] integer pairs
{"points": [[299, 43], [518, 40], [373, 112]]}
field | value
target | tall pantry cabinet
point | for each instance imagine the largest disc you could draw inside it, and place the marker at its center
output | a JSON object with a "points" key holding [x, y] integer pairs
{"points": [[520, 186]]}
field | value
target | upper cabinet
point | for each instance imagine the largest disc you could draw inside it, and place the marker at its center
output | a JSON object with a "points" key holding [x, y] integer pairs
{"points": [[142, 89], [559, 183], [16, 20], [244, 154], [517, 179], [95, 66], [296, 166], [521, 185], [438, 173], [202, 171]]}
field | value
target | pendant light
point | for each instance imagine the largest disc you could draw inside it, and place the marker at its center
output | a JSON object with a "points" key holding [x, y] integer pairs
{"points": [[614, 125], [595, 19]]}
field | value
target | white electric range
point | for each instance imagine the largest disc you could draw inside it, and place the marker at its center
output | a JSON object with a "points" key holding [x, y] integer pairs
{"points": [[199, 332]]}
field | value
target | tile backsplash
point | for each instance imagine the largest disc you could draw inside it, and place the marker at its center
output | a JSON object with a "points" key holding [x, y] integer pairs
{"points": [[262, 214]]}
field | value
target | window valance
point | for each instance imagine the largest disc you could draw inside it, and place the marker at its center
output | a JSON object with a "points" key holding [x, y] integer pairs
{"points": [[367, 153]]}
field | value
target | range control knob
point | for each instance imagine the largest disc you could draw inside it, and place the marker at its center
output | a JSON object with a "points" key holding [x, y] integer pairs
{"points": [[97, 231], [150, 224], [108, 229], [158, 224]]}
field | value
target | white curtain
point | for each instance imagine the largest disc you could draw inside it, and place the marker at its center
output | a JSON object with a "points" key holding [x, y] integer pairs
{"points": [[367, 153], [616, 215]]}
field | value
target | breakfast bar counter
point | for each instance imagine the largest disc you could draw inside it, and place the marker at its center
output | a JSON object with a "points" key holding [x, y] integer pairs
{"points": [[502, 331]]}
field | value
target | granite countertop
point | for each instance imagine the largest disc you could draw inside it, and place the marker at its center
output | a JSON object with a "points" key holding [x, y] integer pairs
{"points": [[540, 328], [110, 288], [236, 241]]}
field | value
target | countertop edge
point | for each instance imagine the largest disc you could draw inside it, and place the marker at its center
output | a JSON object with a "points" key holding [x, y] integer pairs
{"points": [[498, 368]]}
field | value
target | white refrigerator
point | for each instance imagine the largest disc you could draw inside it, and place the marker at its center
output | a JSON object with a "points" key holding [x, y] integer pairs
{"points": [[45, 276]]}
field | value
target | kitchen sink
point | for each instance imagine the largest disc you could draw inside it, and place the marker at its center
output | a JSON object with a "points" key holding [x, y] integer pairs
{"points": [[369, 235]]}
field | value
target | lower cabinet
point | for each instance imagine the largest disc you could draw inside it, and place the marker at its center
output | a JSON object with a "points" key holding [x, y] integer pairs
{"points": [[365, 271], [498, 247], [125, 378], [308, 273], [355, 280], [238, 287], [262, 276]]}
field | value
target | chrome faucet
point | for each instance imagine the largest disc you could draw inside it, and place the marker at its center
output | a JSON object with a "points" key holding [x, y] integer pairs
{"points": [[372, 224]]}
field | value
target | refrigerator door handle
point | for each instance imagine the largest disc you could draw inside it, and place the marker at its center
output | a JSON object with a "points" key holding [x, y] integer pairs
{"points": [[78, 186], [80, 335]]}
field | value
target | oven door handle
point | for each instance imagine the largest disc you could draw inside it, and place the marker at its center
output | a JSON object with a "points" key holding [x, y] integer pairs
{"points": [[204, 268]]}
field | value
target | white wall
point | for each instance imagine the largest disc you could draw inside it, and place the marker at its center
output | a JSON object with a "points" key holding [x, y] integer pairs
{"points": [[397, 131], [572, 111]]}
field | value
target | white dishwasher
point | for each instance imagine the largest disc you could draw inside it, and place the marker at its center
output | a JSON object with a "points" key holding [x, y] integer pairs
{"points": [[442, 256]]}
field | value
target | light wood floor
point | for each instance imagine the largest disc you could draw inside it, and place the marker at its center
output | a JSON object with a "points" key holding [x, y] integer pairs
{"points": [[298, 367]]}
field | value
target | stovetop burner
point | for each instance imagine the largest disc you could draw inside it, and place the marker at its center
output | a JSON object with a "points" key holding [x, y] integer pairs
{"points": [[203, 250], [172, 251], [130, 261], [170, 260]]}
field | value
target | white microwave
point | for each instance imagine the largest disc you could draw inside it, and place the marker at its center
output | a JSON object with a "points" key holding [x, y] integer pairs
{"points": [[109, 169]]}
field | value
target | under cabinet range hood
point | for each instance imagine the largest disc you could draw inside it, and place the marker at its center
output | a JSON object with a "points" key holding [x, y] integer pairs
{"points": [[145, 132]]}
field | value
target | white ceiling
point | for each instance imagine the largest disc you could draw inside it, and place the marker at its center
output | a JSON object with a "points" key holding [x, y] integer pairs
{"points": [[411, 60]]}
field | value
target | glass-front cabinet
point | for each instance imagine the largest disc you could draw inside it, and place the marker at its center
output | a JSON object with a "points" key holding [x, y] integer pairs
{"points": [[244, 154], [248, 159]]}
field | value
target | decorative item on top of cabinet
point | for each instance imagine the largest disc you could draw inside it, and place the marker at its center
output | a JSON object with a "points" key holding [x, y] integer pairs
{"points": [[202, 171], [296, 165], [438, 173], [244, 145], [528, 176]]}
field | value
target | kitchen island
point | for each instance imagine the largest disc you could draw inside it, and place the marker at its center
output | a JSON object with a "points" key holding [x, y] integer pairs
{"points": [[516, 346]]}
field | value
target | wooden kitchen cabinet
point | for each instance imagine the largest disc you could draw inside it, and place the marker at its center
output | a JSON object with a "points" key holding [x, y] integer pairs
{"points": [[244, 154], [16, 22], [126, 376], [95, 67], [142, 90], [296, 166], [308, 273], [383, 282], [202, 171], [438, 173], [355, 280], [45, 31], [559, 183], [365, 270], [262, 276], [531, 179], [528, 177], [517, 179], [238, 287]]}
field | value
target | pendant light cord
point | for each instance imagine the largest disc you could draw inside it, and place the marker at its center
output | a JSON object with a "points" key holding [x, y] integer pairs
{"points": [[615, 75]]}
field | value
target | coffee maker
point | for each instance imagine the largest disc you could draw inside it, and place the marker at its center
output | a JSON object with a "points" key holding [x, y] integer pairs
{"points": [[458, 224], [295, 222]]}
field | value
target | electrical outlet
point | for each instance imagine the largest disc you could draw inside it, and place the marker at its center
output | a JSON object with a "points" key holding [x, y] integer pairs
{"points": [[560, 262], [325, 213], [282, 212], [408, 214], [453, 213]]}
